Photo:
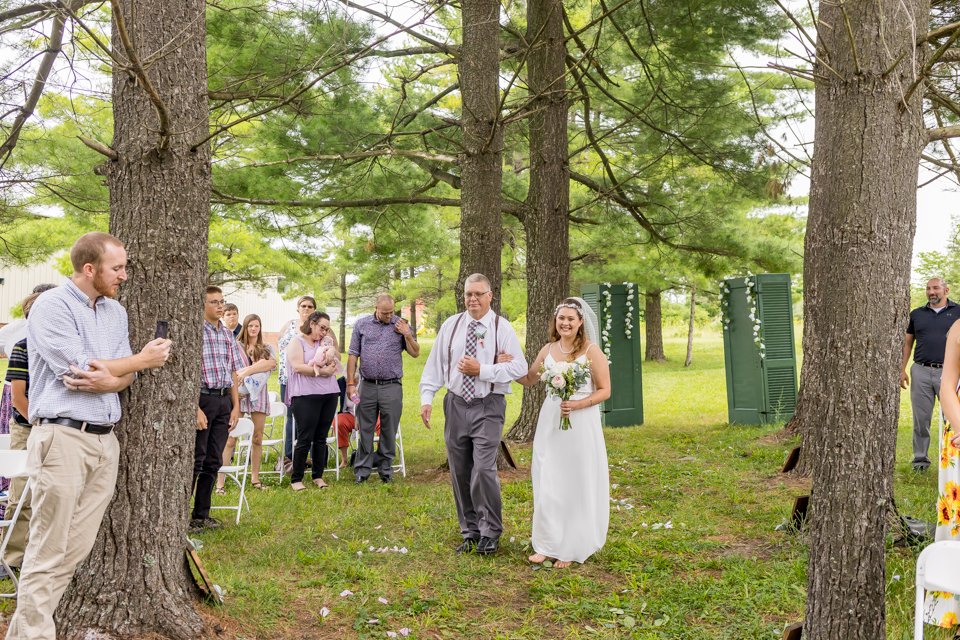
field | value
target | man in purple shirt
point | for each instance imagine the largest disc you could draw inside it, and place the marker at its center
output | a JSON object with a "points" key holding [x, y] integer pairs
{"points": [[379, 341]]}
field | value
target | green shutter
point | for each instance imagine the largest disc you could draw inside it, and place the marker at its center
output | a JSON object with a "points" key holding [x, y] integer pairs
{"points": [[779, 362], [625, 406], [761, 387]]}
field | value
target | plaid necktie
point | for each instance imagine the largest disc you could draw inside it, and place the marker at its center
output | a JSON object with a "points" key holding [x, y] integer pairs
{"points": [[470, 350]]}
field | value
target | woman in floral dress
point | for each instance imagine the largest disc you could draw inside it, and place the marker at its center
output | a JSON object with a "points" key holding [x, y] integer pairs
{"points": [[943, 609]]}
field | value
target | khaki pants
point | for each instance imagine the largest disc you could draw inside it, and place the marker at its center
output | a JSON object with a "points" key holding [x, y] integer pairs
{"points": [[18, 538], [74, 475]]}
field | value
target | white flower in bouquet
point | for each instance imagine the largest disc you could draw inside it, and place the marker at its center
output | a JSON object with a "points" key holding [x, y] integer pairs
{"points": [[563, 379]]}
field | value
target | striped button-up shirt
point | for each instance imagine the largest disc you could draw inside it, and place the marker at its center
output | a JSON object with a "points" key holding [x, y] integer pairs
{"points": [[221, 356], [64, 330]]}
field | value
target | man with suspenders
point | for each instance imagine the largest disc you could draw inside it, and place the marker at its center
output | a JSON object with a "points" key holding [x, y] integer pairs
{"points": [[463, 359]]}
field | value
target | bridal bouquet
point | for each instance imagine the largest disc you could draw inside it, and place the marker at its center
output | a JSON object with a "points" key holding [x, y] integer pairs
{"points": [[563, 379]]}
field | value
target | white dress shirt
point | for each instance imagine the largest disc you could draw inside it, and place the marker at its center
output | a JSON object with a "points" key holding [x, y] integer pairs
{"points": [[501, 375]]}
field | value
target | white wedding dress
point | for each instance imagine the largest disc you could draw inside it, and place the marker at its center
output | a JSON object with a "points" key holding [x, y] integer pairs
{"points": [[571, 482]]}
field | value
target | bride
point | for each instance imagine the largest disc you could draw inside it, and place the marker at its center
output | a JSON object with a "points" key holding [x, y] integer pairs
{"points": [[571, 484]]}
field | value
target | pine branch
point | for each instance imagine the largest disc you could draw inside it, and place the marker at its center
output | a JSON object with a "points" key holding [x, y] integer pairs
{"points": [[943, 133], [99, 147], [54, 47], [404, 28]]}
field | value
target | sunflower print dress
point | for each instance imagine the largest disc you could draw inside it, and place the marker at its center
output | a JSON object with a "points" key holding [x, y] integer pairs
{"points": [[943, 609]]}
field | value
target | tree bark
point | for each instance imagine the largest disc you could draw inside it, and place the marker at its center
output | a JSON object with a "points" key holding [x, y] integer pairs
{"points": [[654, 322], [693, 310], [135, 580], [858, 247], [548, 201], [481, 234], [413, 314], [343, 312]]}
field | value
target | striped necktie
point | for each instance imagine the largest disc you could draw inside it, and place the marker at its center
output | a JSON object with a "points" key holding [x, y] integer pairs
{"points": [[470, 350]]}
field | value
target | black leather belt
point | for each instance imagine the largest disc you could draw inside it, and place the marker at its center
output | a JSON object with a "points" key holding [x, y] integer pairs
{"points": [[96, 429], [384, 381], [207, 391], [932, 365]]}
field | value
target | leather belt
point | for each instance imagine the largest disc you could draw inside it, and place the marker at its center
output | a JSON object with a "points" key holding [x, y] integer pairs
{"points": [[96, 429], [383, 381], [207, 391], [932, 365]]}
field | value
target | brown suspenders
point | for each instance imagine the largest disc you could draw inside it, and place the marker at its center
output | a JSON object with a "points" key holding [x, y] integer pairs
{"points": [[456, 325]]}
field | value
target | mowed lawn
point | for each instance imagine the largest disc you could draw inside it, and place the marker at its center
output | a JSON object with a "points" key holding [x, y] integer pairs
{"points": [[692, 550]]}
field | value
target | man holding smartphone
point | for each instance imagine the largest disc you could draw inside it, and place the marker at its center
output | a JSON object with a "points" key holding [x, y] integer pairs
{"points": [[80, 358]]}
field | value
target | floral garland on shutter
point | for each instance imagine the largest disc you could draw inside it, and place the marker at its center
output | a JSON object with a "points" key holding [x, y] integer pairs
{"points": [[753, 311], [607, 302], [608, 320]]}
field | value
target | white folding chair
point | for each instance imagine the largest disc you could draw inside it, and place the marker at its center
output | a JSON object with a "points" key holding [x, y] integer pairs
{"points": [[938, 569], [13, 464], [4, 441], [243, 432], [275, 420], [400, 463], [272, 395], [334, 450]]}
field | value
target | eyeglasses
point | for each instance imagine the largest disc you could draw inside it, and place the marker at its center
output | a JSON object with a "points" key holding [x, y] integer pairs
{"points": [[216, 303], [471, 294]]}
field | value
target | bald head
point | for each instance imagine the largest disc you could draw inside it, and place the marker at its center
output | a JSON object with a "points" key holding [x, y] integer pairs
{"points": [[384, 307]]}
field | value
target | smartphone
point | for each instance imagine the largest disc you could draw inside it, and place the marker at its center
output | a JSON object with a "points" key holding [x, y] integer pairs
{"points": [[163, 329]]}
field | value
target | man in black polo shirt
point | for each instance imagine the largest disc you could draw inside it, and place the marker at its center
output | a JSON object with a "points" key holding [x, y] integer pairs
{"points": [[928, 328]]}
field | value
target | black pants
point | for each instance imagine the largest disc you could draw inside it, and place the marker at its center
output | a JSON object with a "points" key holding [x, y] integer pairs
{"points": [[208, 451], [313, 415], [342, 383]]}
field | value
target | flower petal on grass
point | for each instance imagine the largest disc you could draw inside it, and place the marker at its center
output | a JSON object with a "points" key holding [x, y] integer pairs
{"points": [[382, 600], [345, 593], [324, 612], [404, 632]]}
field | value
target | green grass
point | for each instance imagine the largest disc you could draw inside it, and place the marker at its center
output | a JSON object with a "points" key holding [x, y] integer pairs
{"points": [[721, 571]]}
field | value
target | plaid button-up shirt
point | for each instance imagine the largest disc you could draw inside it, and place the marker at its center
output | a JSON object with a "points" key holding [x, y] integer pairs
{"points": [[221, 356]]}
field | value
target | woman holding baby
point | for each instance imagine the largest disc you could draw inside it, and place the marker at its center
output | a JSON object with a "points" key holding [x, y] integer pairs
{"points": [[312, 393]]}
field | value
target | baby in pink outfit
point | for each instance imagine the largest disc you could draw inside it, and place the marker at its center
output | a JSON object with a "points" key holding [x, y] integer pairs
{"points": [[326, 355]]}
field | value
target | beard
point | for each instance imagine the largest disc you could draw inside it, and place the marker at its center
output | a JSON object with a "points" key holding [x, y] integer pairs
{"points": [[101, 286]]}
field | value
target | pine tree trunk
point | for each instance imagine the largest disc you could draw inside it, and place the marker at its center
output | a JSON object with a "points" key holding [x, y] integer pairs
{"points": [[693, 310], [654, 323], [413, 315], [135, 580], [548, 200], [481, 234], [858, 248], [343, 312]]}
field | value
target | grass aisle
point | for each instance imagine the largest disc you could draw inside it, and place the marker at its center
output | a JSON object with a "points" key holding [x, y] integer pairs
{"points": [[692, 552]]}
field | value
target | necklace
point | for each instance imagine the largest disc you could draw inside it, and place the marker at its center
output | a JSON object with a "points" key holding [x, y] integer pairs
{"points": [[560, 346]]}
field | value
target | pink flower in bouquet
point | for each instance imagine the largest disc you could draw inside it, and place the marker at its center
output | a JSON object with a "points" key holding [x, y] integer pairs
{"points": [[558, 382]]}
